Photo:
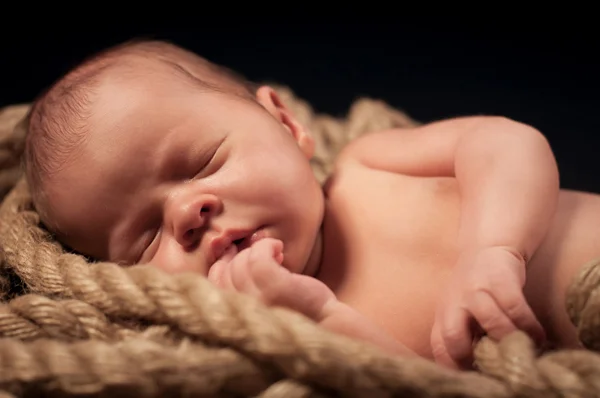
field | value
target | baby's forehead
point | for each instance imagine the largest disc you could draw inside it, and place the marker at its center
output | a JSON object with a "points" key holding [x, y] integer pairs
{"points": [[140, 73], [127, 92]]}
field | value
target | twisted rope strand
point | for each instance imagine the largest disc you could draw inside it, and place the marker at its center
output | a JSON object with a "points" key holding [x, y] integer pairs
{"points": [[271, 352], [34, 316], [135, 367]]}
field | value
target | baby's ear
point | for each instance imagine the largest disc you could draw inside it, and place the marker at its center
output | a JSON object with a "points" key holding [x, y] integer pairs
{"points": [[271, 101]]}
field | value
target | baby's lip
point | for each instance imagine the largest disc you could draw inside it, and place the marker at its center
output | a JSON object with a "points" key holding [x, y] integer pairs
{"points": [[241, 238], [251, 239]]}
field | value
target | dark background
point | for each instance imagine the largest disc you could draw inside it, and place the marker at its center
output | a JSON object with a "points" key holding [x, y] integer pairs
{"points": [[546, 76]]}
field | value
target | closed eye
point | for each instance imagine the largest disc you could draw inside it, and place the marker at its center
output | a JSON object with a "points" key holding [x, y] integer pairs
{"points": [[149, 247], [208, 156]]}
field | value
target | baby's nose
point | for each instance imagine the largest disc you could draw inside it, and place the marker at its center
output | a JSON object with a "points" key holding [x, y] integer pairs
{"points": [[192, 218]]}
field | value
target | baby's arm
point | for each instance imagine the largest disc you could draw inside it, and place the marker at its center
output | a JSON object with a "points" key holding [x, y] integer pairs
{"points": [[341, 318], [506, 171], [508, 181], [257, 271]]}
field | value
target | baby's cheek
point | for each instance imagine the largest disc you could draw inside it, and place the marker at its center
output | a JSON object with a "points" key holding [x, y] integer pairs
{"points": [[174, 262]]}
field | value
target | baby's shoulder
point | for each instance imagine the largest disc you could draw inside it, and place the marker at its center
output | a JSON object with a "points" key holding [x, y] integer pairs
{"points": [[353, 153], [350, 165]]}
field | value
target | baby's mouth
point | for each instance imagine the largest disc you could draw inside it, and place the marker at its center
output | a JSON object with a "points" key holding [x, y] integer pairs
{"points": [[241, 243], [238, 244], [249, 240]]}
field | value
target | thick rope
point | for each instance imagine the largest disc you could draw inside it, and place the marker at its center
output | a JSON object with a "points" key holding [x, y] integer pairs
{"points": [[291, 389], [134, 367], [301, 359], [583, 304], [32, 316], [12, 136], [151, 369], [570, 373]]}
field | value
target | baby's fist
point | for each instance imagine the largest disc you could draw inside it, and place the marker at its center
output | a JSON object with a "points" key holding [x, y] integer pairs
{"points": [[249, 270], [257, 271]]}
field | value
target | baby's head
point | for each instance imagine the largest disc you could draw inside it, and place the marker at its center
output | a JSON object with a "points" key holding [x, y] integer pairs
{"points": [[147, 153]]}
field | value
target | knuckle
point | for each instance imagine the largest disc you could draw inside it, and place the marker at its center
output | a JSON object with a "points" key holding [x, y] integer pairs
{"points": [[237, 275], [241, 257], [264, 245], [438, 350], [264, 275], [515, 308], [493, 322], [510, 302], [254, 255], [451, 335]]}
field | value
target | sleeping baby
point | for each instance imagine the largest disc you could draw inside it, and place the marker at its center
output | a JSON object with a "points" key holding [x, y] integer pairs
{"points": [[421, 241]]}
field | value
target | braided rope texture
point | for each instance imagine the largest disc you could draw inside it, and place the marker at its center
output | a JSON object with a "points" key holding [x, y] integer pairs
{"points": [[69, 327]]}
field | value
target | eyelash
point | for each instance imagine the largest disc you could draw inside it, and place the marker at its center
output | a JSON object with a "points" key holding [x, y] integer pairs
{"points": [[209, 160], [204, 166]]}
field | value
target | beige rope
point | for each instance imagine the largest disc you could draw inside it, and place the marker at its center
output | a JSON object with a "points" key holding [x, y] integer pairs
{"points": [[564, 373], [152, 369], [11, 145], [82, 328], [290, 389], [33, 316], [134, 367], [583, 304]]}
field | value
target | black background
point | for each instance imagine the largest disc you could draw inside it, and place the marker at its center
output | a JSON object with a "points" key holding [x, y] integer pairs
{"points": [[546, 76]]}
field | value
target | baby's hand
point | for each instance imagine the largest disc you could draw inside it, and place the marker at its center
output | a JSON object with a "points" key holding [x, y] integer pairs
{"points": [[257, 271], [484, 292]]}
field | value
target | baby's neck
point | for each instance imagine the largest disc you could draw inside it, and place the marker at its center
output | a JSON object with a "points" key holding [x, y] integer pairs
{"points": [[332, 250], [326, 242], [313, 264]]}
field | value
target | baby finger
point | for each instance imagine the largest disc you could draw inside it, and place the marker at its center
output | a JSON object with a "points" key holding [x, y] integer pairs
{"points": [[513, 303], [218, 276], [489, 315], [451, 339], [241, 273]]}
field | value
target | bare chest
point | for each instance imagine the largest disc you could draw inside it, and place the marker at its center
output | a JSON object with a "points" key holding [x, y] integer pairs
{"points": [[390, 241]]}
